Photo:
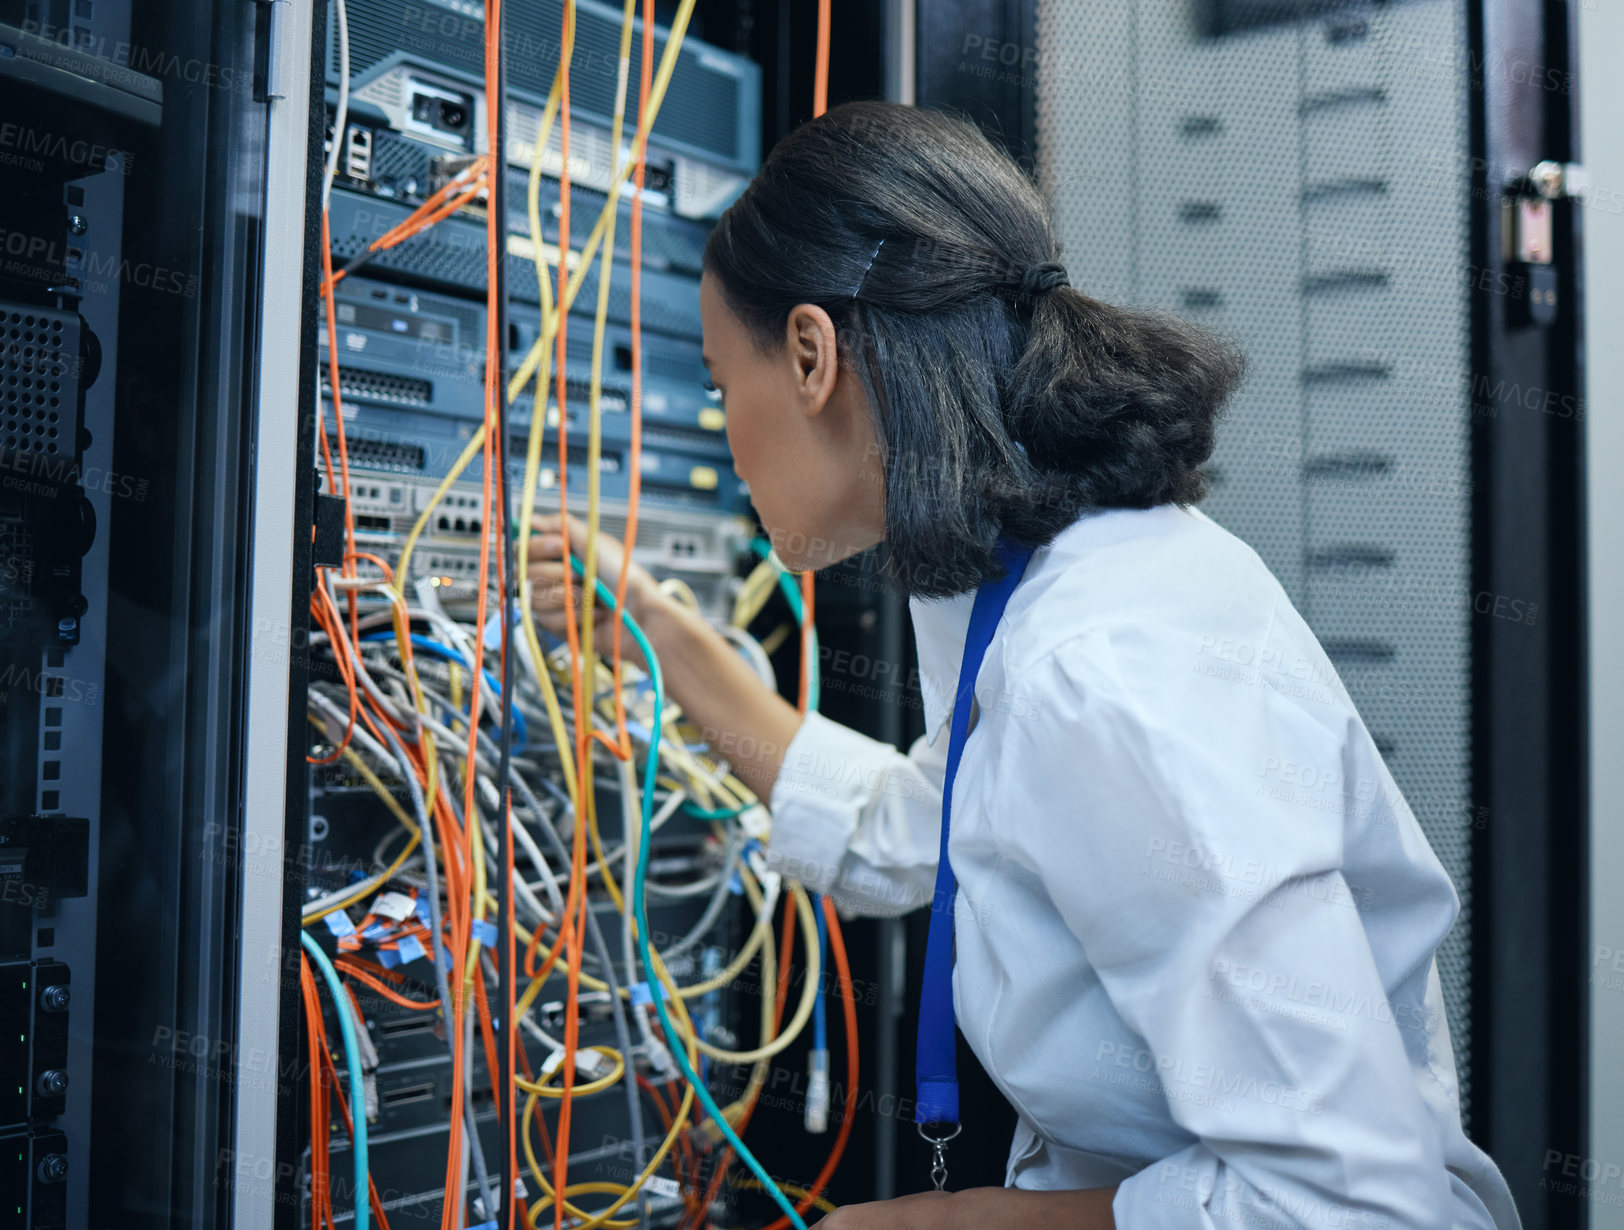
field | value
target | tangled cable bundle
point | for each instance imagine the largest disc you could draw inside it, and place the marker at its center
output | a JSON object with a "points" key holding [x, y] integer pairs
{"points": [[485, 742]]}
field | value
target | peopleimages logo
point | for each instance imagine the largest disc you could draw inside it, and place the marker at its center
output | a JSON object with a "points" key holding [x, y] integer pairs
{"points": [[153, 62], [38, 144]]}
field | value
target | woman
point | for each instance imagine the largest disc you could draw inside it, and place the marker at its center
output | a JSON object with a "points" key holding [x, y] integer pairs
{"points": [[1195, 921]]}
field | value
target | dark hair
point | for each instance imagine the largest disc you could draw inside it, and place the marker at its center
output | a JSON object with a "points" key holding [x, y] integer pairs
{"points": [[999, 409]]}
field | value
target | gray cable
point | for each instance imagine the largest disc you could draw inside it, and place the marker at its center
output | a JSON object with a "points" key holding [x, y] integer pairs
{"points": [[622, 1033], [421, 808]]}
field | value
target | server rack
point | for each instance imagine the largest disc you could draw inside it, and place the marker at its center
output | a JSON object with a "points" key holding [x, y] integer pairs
{"points": [[155, 850]]}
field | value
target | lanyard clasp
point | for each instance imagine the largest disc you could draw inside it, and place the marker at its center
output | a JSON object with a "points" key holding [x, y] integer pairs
{"points": [[938, 1166]]}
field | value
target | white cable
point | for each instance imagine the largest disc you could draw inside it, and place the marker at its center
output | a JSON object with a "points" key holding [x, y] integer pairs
{"points": [[631, 818], [751, 649], [341, 114], [521, 889], [358, 734]]}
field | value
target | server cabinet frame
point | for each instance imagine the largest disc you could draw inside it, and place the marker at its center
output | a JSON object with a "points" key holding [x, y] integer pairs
{"points": [[1528, 679]]}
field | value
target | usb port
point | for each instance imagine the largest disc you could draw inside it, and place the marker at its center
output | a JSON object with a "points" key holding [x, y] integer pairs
{"points": [[358, 153], [403, 1027]]}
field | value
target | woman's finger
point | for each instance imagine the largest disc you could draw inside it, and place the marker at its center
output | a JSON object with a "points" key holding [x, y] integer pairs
{"points": [[547, 545], [552, 523], [547, 585]]}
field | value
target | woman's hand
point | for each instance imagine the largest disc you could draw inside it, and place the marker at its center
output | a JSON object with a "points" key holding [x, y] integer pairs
{"points": [[979, 1208], [546, 571], [735, 712]]}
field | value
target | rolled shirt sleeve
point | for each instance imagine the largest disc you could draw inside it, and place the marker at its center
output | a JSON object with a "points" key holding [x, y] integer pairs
{"points": [[856, 819], [1199, 900]]}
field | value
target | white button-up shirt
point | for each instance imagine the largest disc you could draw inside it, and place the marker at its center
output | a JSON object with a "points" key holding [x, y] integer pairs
{"points": [[1196, 920]]}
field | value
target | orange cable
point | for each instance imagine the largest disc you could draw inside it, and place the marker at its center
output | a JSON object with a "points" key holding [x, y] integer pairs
{"points": [[786, 945], [820, 74], [837, 948], [314, 1044], [360, 975], [330, 1076], [452, 1206]]}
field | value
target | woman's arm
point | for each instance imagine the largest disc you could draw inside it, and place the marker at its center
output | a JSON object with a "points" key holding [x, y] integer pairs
{"points": [[852, 816], [979, 1208], [745, 721]]}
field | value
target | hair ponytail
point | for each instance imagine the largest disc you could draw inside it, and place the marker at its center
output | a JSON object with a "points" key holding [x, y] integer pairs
{"points": [[1004, 400], [1120, 405]]}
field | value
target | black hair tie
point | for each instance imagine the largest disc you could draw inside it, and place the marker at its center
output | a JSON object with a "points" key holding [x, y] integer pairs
{"points": [[1042, 278]]}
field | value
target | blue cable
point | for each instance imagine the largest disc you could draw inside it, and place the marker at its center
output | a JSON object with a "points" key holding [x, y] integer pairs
{"points": [[439, 650], [640, 907], [792, 594], [352, 1058]]}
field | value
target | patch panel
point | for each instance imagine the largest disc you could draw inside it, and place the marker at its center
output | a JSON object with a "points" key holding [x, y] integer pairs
{"points": [[451, 258]]}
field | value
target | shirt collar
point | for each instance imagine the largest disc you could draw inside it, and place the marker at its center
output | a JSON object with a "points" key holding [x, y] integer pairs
{"points": [[940, 628], [942, 624]]}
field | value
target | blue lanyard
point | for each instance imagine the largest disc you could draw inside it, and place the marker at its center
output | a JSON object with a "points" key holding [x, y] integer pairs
{"points": [[937, 1109]]}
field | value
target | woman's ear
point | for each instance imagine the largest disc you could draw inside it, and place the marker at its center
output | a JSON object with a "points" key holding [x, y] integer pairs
{"points": [[813, 355]]}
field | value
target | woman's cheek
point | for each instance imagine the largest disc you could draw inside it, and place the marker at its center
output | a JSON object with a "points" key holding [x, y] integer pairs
{"points": [[737, 444]]}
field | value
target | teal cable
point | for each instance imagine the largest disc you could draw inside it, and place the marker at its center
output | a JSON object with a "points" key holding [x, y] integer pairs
{"points": [[705, 813], [640, 908], [352, 1058], [792, 594]]}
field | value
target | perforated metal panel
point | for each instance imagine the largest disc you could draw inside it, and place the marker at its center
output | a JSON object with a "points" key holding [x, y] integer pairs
{"points": [[39, 372], [1295, 176]]}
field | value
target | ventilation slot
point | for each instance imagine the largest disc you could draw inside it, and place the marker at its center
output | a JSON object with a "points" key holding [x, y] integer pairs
{"points": [[380, 386], [380, 454], [38, 352]]}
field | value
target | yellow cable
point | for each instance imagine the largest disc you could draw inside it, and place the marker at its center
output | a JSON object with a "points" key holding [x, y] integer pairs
{"points": [[540, 353], [759, 934], [803, 1012], [734, 1111], [382, 791], [749, 1182], [662, 79], [538, 415], [583, 1189], [777, 637], [602, 1218], [542, 1089], [754, 593]]}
